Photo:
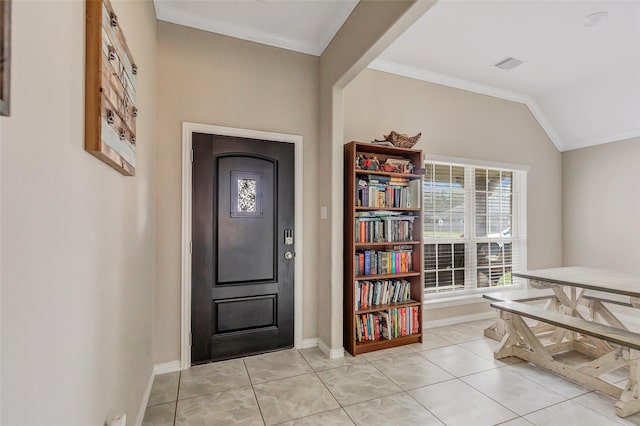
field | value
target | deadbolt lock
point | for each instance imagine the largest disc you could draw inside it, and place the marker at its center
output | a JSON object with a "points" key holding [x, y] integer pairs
{"points": [[289, 255], [288, 237]]}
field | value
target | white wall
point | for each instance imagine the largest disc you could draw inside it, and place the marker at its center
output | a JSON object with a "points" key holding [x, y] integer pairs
{"points": [[601, 206], [77, 237]]}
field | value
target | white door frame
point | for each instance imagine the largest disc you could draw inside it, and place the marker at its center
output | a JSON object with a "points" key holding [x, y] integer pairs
{"points": [[187, 156]]}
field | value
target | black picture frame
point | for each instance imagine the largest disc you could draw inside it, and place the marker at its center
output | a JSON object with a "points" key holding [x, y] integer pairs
{"points": [[5, 57]]}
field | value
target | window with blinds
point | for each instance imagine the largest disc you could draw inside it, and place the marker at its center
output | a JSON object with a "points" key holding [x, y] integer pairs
{"points": [[474, 227]]}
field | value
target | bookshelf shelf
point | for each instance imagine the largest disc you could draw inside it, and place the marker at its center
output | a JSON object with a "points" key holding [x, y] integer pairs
{"points": [[397, 209], [361, 172], [376, 308], [369, 329], [376, 345], [386, 243], [375, 277]]}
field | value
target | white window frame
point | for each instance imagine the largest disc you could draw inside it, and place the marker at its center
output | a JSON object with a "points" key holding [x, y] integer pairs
{"points": [[518, 227]]}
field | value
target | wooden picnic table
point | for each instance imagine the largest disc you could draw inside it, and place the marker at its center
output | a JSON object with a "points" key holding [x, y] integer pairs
{"points": [[586, 278], [598, 334]]}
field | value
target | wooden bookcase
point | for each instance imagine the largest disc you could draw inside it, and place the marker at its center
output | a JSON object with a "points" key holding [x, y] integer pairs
{"points": [[411, 243]]}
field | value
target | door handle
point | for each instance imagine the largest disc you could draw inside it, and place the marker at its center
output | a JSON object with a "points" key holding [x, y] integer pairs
{"points": [[289, 255]]}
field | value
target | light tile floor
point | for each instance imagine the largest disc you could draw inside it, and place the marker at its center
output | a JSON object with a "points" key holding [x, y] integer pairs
{"points": [[451, 379]]}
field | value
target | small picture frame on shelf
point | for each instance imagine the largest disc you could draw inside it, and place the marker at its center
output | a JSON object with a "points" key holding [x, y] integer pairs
{"points": [[398, 165], [367, 162]]}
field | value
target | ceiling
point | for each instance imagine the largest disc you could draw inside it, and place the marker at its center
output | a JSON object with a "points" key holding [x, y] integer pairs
{"points": [[305, 26], [581, 83]]}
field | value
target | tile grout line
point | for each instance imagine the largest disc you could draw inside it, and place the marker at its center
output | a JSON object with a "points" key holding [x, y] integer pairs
{"points": [[547, 387], [329, 390], [502, 405], [519, 417], [305, 360], [426, 408], [349, 416], [372, 399], [291, 377], [321, 382], [253, 389], [175, 411], [576, 402], [367, 400], [279, 378], [480, 391], [548, 406], [455, 377], [459, 378]]}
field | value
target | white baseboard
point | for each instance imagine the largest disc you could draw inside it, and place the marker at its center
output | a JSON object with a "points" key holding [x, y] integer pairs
{"points": [[331, 353], [145, 399], [167, 367], [459, 319], [309, 343]]}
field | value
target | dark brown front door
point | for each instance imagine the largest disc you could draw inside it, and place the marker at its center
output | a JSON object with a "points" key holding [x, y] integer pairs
{"points": [[242, 233]]}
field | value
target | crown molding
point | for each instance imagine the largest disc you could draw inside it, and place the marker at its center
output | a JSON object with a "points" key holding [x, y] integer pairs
{"points": [[165, 11], [470, 86]]}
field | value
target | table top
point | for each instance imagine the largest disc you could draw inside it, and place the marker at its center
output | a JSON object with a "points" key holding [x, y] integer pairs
{"points": [[589, 278]]}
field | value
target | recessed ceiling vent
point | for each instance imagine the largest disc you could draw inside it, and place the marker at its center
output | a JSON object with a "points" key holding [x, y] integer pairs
{"points": [[508, 63]]}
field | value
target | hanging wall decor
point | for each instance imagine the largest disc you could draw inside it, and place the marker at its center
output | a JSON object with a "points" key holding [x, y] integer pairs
{"points": [[110, 90], [5, 55]]}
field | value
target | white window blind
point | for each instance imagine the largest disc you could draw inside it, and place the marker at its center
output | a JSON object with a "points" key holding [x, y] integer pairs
{"points": [[474, 227]]}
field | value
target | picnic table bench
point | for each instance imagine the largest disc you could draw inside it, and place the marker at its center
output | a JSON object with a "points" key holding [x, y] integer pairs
{"points": [[563, 327]]}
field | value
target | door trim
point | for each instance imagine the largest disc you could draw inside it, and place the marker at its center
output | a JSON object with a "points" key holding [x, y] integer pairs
{"points": [[187, 130]]}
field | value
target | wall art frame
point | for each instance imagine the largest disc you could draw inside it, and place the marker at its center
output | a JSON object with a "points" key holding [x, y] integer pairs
{"points": [[110, 90], [5, 57]]}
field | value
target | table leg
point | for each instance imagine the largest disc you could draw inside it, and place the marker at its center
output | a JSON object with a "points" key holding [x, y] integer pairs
{"points": [[496, 330], [600, 310], [629, 402], [570, 304], [509, 339]]}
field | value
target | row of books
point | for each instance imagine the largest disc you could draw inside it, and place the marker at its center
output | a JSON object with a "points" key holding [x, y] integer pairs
{"points": [[371, 293], [387, 324], [376, 262], [384, 191], [384, 229]]}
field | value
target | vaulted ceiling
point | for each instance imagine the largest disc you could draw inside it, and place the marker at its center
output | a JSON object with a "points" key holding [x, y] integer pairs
{"points": [[581, 82], [580, 78]]}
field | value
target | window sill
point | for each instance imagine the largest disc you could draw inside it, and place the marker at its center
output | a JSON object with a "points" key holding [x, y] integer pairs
{"points": [[439, 301]]}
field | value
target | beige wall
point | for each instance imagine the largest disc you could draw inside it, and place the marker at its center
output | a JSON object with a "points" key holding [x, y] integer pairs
{"points": [[77, 237], [602, 206], [468, 125], [213, 79]]}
